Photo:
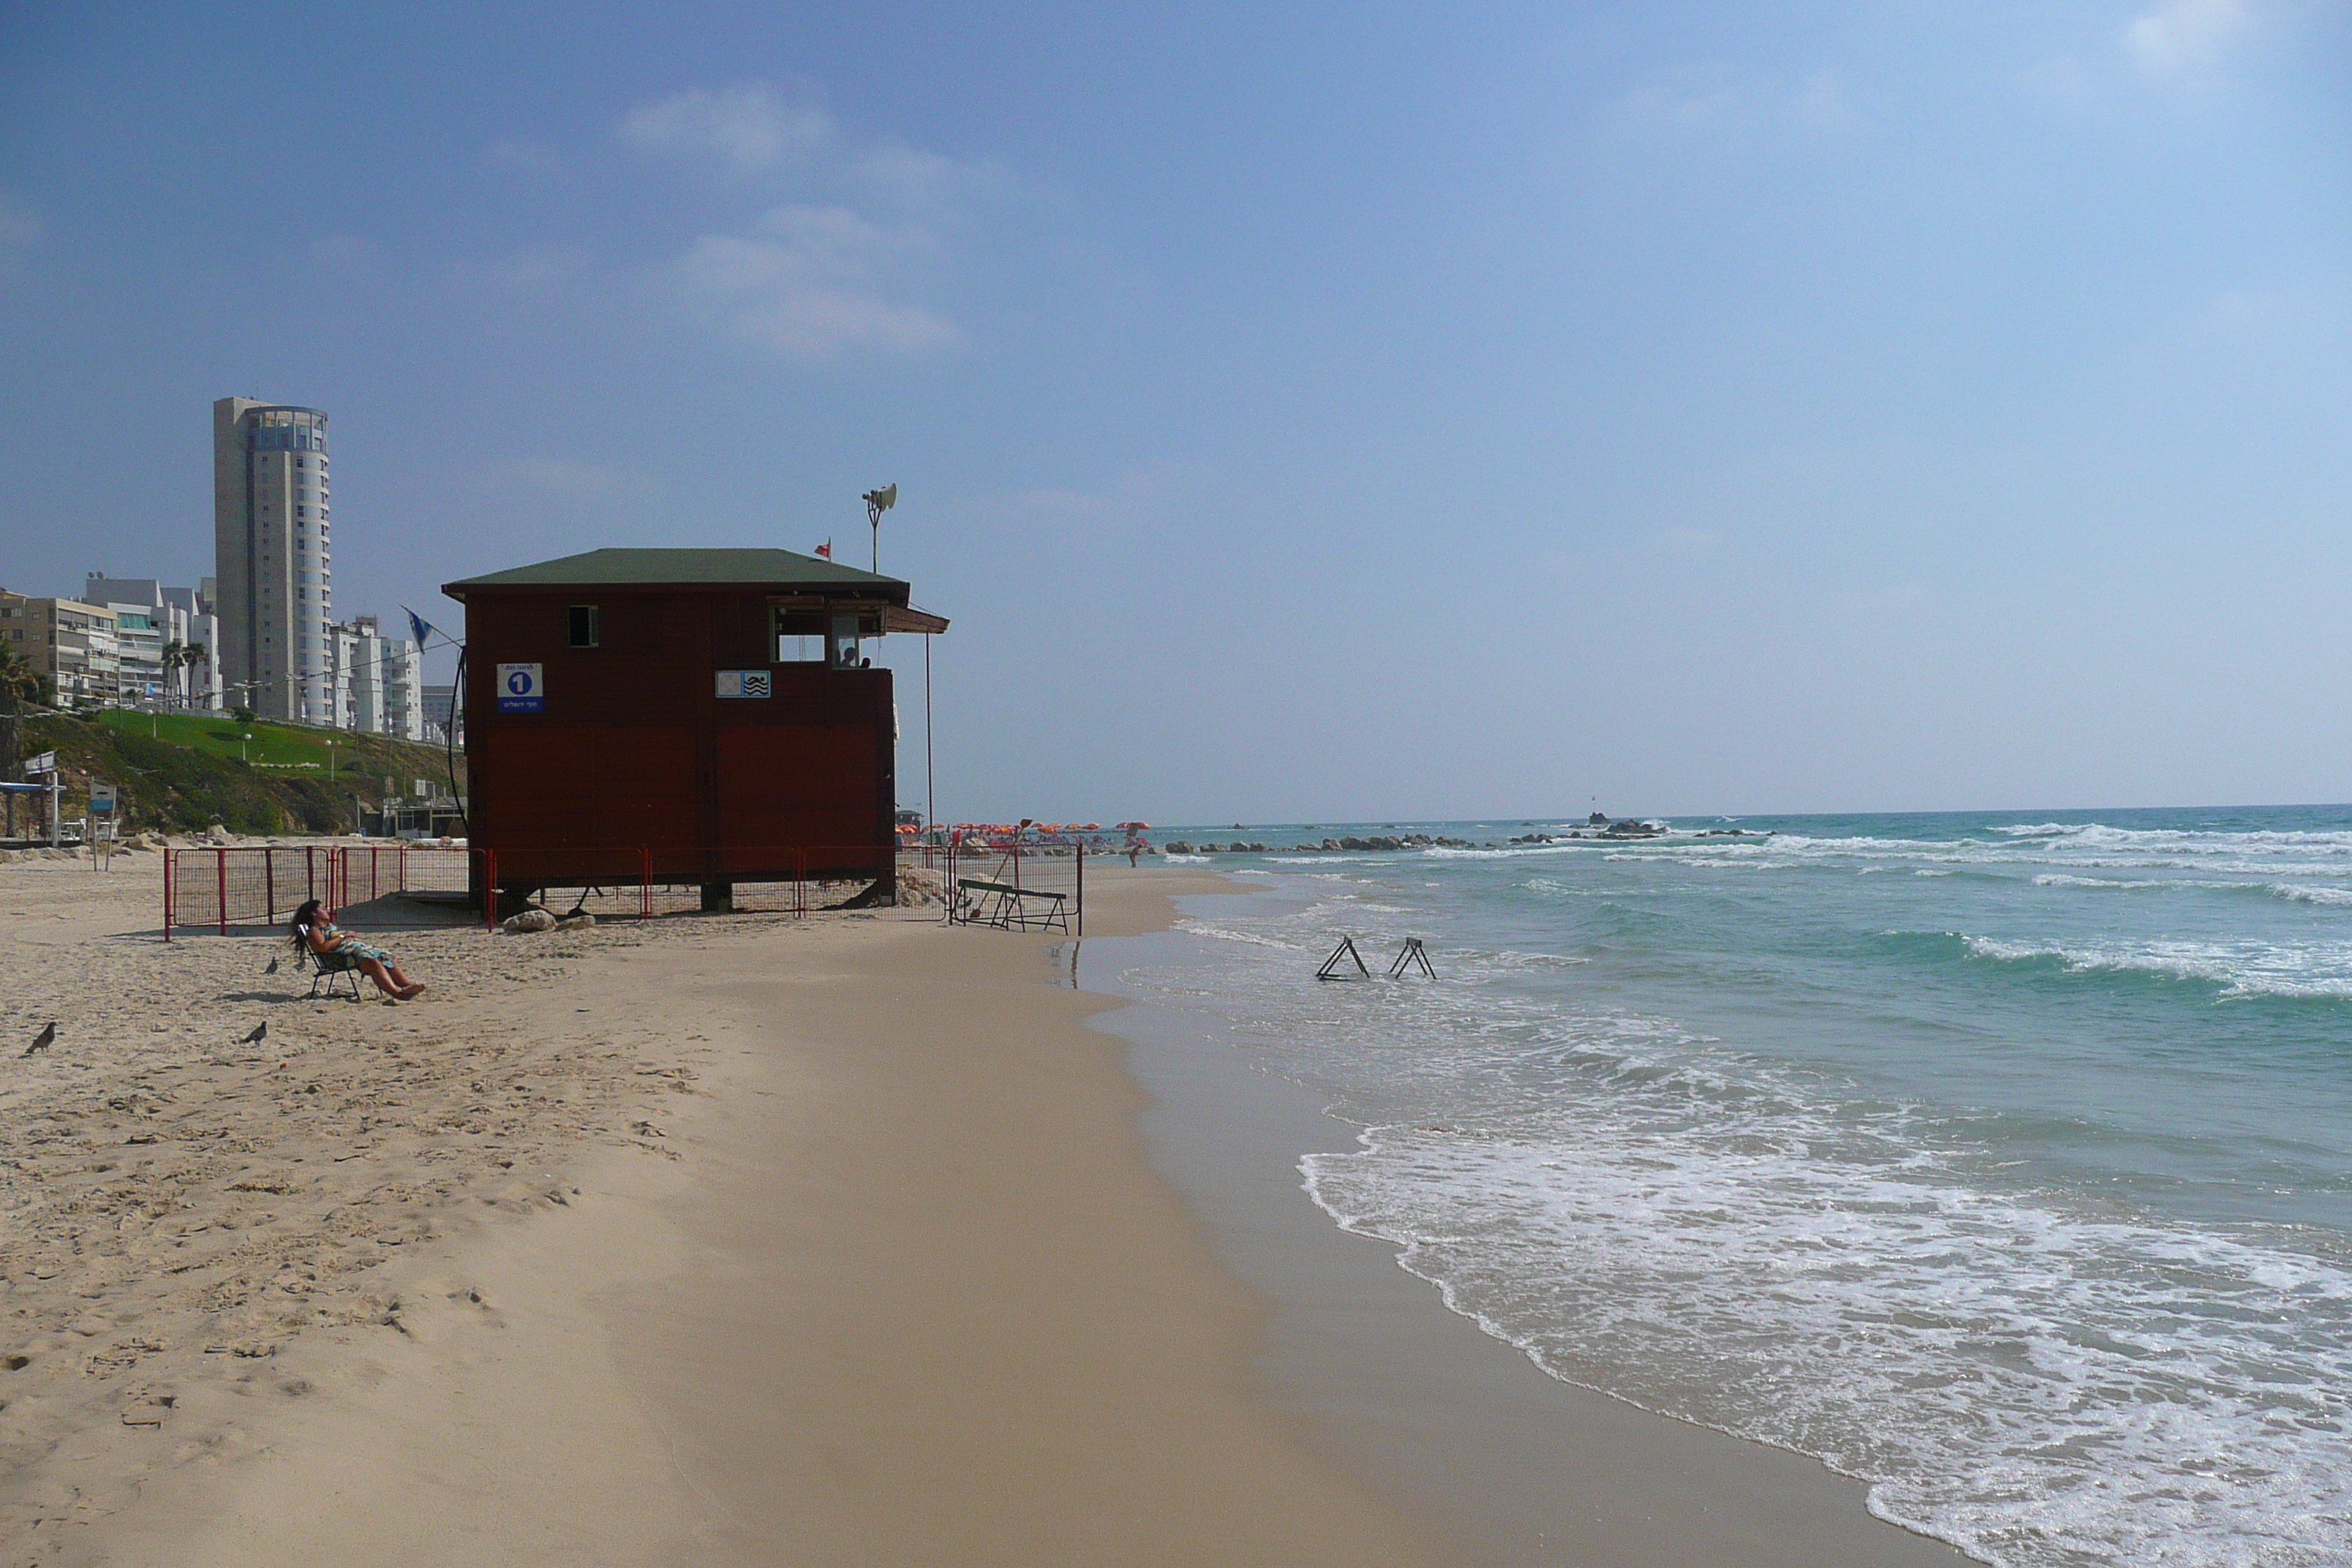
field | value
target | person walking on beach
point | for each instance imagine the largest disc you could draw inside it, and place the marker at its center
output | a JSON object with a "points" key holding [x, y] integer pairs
{"points": [[312, 927]]}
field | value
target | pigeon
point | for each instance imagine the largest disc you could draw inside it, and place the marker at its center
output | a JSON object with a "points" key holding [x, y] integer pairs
{"points": [[260, 1032], [272, 969], [41, 1041]]}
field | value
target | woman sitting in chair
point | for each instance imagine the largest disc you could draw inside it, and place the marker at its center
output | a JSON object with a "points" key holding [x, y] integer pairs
{"points": [[312, 929]]}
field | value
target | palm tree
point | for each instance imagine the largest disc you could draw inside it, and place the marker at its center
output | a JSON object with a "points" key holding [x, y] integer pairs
{"points": [[19, 681], [179, 657]]}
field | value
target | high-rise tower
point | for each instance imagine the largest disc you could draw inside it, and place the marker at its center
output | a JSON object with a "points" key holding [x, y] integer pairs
{"points": [[271, 555]]}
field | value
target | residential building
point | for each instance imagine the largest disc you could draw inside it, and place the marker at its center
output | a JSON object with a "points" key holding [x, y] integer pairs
{"points": [[139, 655], [272, 558], [440, 705], [376, 682], [195, 625], [72, 643], [155, 621], [403, 689], [17, 625]]}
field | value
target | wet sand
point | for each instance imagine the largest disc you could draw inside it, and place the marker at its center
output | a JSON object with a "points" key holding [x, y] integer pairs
{"points": [[1497, 1462]]}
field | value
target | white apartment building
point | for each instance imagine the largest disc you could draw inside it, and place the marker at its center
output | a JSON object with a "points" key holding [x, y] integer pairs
{"points": [[196, 625], [139, 655], [271, 556], [376, 682], [152, 623], [403, 689]]}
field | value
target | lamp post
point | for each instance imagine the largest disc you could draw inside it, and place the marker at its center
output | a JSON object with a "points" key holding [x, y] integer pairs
{"points": [[879, 501], [241, 741]]}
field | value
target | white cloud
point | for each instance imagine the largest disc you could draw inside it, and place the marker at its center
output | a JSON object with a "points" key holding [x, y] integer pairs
{"points": [[925, 183], [574, 479], [812, 280], [846, 265], [2180, 38], [20, 225], [815, 322], [749, 128]]}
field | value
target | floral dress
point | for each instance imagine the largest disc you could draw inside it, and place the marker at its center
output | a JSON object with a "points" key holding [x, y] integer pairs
{"points": [[351, 946]]}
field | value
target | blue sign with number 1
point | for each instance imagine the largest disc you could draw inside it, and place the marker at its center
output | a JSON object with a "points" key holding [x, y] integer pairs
{"points": [[521, 687]]}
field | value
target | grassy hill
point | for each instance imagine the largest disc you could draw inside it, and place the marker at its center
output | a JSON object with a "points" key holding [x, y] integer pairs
{"points": [[183, 772]]}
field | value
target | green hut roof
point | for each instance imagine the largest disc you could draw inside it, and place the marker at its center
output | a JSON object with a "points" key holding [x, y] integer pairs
{"points": [[773, 569]]}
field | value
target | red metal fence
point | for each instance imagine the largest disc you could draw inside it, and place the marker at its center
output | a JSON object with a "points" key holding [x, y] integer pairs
{"points": [[1008, 885], [258, 886], [222, 888], [374, 871]]}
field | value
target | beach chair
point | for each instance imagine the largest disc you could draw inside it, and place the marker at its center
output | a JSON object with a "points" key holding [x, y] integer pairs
{"points": [[327, 969], [1008, 908]]}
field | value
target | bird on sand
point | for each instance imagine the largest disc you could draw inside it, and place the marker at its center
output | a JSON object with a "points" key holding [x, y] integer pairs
{"points": [[41, 1041], [272, 969], [260, 1032]]}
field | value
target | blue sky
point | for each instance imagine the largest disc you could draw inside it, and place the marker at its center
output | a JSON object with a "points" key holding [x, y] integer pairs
{"points": [[1323, 413]]}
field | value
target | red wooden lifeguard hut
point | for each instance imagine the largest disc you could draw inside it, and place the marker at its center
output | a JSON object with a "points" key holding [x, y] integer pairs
{"points": [[699, 716]]}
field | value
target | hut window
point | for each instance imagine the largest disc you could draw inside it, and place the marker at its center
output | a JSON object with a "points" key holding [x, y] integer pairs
{"points": [[799, 633], [845, 642], [583, 627]]}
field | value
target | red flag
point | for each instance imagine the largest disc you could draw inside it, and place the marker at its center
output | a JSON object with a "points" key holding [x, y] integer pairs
{"points": [[826, 550]]}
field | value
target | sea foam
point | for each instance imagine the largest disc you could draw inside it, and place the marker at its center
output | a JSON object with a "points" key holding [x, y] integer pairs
{"points": [[2016, 1188]]}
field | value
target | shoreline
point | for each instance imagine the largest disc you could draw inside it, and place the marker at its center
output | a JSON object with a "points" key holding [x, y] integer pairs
{"points": [[874, 1242], [1502, 1462]]}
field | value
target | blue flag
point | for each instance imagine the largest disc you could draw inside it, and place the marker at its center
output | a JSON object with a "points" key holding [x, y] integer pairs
{"points": [[423, 629]]}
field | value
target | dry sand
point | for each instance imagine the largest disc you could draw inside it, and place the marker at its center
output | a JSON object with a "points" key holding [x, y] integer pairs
{"points": [[733, 1240], [178, 1207]]}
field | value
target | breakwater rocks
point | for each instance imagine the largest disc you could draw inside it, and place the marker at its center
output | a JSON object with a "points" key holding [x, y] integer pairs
{"points": [[1626, 827], [1329, 846], [1615, 832]]}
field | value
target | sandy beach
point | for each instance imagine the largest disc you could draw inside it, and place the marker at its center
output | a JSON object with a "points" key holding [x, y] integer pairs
{"points": [[738, 1240]]}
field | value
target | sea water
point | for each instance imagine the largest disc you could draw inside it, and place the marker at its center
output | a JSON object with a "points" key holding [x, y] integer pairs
{"points": [[2002, 1161]]}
